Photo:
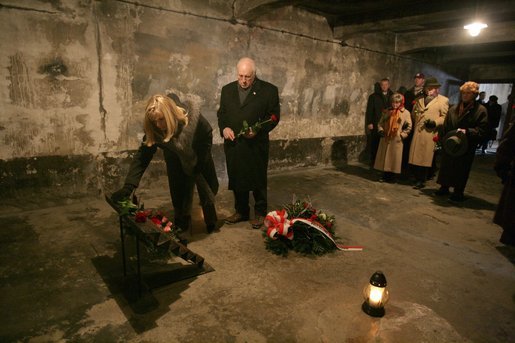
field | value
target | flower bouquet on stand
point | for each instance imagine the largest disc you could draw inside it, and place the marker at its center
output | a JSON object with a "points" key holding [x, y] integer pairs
{"points": [[158, 218], [301, 227]]}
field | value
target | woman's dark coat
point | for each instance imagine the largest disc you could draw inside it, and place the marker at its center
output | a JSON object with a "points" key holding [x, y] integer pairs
{"points": [[184, 167], [454, 171]]}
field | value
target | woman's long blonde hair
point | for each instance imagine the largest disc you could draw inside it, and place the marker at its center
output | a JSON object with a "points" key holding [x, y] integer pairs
{"points": [[174, 115]]}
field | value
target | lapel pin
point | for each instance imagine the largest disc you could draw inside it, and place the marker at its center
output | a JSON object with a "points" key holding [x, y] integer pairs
{"points": [[254, 93]]}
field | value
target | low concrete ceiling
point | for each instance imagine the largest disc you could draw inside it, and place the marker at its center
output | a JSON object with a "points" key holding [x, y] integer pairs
{"points": [[431, 31]]}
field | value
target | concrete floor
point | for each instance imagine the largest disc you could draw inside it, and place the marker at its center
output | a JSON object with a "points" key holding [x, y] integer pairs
{"points": [[449, 278]]}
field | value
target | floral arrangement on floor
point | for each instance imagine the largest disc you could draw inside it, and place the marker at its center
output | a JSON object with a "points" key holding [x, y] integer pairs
{"points": [[301, 227]]}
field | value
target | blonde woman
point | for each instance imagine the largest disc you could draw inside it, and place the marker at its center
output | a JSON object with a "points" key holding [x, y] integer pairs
{"points": [[186, 139]]}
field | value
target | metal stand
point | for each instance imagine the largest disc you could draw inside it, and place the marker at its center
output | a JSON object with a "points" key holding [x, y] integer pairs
{"points": [[156, 239]]}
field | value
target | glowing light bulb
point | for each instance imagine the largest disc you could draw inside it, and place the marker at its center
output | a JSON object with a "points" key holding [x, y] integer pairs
{"points": [[475, 28]]}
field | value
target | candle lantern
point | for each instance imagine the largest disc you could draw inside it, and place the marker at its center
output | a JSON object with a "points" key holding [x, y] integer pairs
{"points": [[376, 295]]}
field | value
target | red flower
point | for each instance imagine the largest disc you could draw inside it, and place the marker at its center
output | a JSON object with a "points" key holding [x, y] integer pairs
{"points": [[313, 217], [156, 221], [436, 139], [141, 217], [414, 102], [274, 118]]}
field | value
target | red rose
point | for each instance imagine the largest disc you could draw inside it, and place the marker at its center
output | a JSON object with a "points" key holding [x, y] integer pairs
{"points": [[313, 217], [274, 118], [436, 138], [414, 102], [140, 217], [156, 221]]}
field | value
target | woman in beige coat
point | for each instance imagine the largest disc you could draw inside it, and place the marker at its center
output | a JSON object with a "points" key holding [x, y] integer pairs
{"points": [[393, 127], [428, 113]]}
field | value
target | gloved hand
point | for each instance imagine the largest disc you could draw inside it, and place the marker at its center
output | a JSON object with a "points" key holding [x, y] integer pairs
{"points": [[380, 133], [404, 126], [122, 194], [430, 124]]}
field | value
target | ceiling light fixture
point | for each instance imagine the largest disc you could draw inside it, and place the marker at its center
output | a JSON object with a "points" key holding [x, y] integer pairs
{"points": [[475, 28]]}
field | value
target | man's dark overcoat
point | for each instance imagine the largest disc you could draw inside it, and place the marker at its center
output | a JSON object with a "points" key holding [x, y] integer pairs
{"points": [[505, 168], [454, 171], [247, 159], [376, 104]]}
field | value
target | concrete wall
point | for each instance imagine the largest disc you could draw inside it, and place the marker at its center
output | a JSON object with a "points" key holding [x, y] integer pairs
{"points": [[75, 77]]}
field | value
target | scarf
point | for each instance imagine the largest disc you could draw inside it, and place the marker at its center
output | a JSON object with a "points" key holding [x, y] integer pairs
{"points": [[462, 109], [393, 125]]}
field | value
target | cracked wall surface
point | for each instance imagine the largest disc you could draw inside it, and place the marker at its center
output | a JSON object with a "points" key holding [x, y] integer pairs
{"points": [[75, 77]]}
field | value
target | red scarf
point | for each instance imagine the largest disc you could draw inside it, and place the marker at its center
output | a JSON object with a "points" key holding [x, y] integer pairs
{"points": [[393, 126]]}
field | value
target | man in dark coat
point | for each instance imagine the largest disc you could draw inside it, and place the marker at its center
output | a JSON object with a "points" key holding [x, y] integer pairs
{"points": [[505, 168], [254, 101], [378, 102], [415, 92], [468, 119], [494, 116], [188, 163]]}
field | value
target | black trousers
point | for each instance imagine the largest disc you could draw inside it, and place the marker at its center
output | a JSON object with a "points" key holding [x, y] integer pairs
{"points": [[181, 191], [420, 173], [374, 145], [241, 202]]}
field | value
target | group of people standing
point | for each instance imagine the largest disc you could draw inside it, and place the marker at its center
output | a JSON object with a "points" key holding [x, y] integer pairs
{"points": [[405, 130]]}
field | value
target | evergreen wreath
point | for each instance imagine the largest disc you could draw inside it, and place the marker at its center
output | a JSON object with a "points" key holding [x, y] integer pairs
{"points": [[306, 240]]}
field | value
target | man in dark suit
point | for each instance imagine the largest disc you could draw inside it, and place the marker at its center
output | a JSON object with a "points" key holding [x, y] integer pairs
{"points": [[378, 102], [254, 101]]}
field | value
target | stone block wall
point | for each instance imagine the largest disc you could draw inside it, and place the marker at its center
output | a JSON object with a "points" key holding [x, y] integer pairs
{"points": [[76, 75]]}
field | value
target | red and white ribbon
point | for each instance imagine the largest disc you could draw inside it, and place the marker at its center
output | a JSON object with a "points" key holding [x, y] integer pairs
{"points": [[277, 223]]}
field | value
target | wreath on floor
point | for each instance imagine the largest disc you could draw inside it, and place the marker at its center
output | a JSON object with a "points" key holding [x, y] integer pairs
{"points": [[300, 227]]}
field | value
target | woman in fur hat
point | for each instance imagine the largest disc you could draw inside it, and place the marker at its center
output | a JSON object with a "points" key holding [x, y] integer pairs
{"points": [[186, 139], [467, 119]]}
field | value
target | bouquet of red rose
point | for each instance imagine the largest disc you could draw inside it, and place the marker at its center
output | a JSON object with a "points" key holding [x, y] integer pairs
{"points": [[438, 143], [246, 129]]}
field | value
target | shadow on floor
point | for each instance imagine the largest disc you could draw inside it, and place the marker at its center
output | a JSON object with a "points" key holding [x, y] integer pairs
{"points": [[470, 202], [142, 307], [361, 171]]}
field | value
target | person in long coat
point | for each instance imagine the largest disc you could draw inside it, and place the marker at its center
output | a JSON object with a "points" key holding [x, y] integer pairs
{"points": [[393, 127], [505, 168], [470, 118], [428, 114], [410, 98], [377, 103], [186, 139], [253, 101]]}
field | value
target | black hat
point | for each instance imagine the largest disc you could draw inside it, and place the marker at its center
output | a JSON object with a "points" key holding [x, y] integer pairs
{"points": [[432, 82], [455, 143]]}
